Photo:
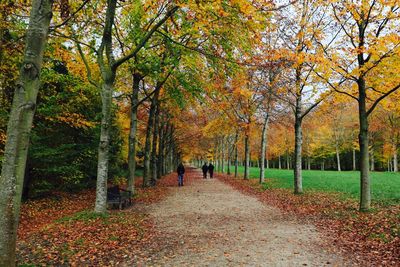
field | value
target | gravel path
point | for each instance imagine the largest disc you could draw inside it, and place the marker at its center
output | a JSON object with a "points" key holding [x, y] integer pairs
{"points": [[208, 223]]}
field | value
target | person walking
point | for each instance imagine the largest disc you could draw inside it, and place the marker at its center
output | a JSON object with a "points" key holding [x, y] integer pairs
{"points": [[211, 170], [180, 170], [204, 169]]}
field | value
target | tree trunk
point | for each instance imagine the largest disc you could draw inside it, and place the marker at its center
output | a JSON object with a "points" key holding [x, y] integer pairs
{"points": [[236, 154], [170, 153], [323, 165], [279, 162], [263, 148], [216, 156], [287, 160], [104, 147], [372, 158], [395, 162], [338, 158], [166, 146], [247, 157], [365, 193], [132, 133], [309, 163], [222, 155], [108, 79], [298, 179], [19, 128], [155, 142], [354, 159], [147, 146], [161, 152], [229, 150]]}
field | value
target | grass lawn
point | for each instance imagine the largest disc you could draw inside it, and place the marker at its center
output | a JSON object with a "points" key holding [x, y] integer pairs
{"points": [[385, 186]]}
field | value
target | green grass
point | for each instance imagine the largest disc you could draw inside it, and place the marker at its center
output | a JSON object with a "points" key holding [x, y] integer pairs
{"points": [[385, 186], [84, 215]]}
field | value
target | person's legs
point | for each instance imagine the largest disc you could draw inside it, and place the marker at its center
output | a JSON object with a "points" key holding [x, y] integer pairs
{"points": [[211, 174], [180, 180]]}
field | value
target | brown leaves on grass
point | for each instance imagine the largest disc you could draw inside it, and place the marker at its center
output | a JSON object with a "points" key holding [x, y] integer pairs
{"points": [[373, 237], [37, 213], [87, 239], [63, 230]]}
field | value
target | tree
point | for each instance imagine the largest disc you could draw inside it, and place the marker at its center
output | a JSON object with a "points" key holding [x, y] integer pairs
{"points": [[108, 66], [366, 40], [19, 127], [305, 31]]}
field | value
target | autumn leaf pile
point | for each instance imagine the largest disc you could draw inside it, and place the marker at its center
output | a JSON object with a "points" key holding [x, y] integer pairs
{"points": [[63, 230], [35, 214], [371, 238]]}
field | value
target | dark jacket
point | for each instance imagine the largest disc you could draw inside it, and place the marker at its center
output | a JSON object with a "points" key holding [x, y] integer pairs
{"points": [[204, 168], [180, 170], [210, 168]]}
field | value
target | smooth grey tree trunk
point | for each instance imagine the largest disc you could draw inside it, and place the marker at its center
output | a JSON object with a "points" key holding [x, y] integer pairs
{"points": [[236, 154], [338, 158], [372, 159], [132, 133], [247, 157], [19, 128], [395, 161], [263, 148], [222, 155], [279, 162], [298, 179], [354, 160], [216, 156], [104, 148], [229, 150]]}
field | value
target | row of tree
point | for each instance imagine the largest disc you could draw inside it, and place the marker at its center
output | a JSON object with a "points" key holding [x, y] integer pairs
{"points": [[330, 140], [150, 82]]}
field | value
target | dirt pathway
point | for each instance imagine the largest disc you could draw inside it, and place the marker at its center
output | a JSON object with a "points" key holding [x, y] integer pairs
{"points": [[208, 223]]}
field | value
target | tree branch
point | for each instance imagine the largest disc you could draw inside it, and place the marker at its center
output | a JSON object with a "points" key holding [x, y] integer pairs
{"points": [[144, 40], [52, 28], [381, 98]]}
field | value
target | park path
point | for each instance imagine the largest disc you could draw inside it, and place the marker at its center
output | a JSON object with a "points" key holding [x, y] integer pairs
{"points": [[208, 223]]}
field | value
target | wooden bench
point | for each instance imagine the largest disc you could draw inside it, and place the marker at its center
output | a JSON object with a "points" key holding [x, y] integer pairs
{"points": [[119, 196]]}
